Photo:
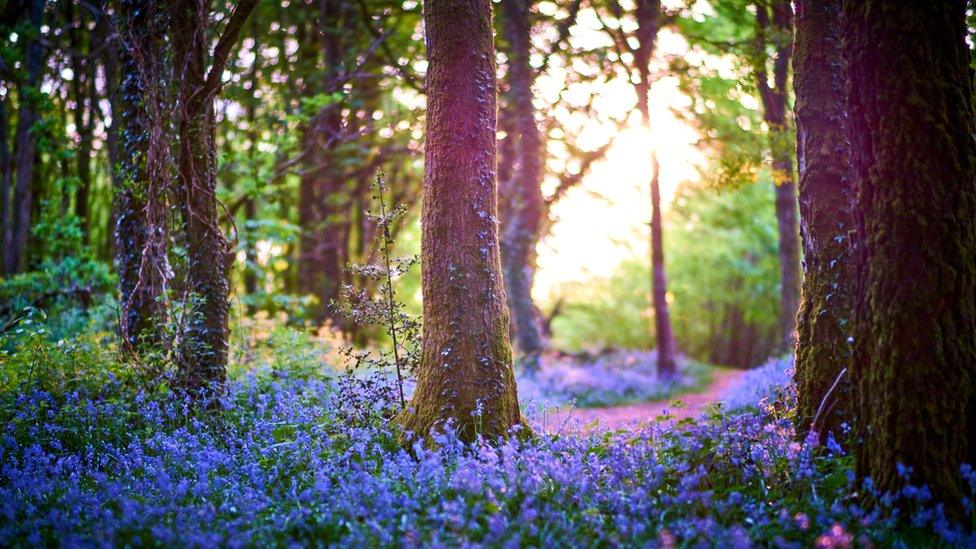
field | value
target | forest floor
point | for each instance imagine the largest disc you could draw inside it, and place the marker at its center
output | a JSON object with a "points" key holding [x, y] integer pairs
{"points": [[611, 418]]}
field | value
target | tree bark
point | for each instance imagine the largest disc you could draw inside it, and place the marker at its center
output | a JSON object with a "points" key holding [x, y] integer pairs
{"points": [[666, 364], [6, 177], [466, 373], [912, 126], [82, 84], [25, 148], [203, 354], [774, 113], [522, 207], [647, 13], [110, 64], [823, 323], [139, 182]]}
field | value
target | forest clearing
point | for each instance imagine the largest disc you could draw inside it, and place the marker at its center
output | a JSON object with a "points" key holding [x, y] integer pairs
{"points": [[487, 273]]}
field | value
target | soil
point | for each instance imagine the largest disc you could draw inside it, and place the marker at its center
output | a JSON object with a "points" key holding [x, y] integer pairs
{"points": [[612, 418]]}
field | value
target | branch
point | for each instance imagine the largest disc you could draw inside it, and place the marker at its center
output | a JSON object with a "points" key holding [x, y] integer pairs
{"points": [[563, 35], [227, 40], [569, 180], [385, 47]]}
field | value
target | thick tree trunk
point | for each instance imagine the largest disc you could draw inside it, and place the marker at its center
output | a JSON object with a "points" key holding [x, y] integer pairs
{"points": [[522, 206], [139, 234], [203, 352], [466, 372], [25, 149], [774, 113], [912, 126], [666, 364], [823, 324]]}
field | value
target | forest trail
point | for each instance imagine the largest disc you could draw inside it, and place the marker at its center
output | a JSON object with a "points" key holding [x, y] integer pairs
{"points": [[620, 417]]}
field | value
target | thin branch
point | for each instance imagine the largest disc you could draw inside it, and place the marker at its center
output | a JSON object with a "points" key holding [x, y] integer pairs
{"points": [[227, 40]]}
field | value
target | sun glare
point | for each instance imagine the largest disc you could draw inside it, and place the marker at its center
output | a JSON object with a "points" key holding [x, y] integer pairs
{"points": [[604, 220]]}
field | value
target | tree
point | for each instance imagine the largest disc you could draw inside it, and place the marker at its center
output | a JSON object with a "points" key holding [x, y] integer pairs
{"points": [[522, 206], [648, 16], [202, 357], [823, 323], [143, 175], [345, 51], [778, 29], [25, 148], [756, 36], [912, 126], [466, 372]]}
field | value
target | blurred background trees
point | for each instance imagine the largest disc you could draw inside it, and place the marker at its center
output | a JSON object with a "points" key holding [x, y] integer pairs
{"points": [[317, 96]]}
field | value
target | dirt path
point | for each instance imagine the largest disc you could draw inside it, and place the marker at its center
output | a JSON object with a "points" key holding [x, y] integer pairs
{"points": [[619, 417]]}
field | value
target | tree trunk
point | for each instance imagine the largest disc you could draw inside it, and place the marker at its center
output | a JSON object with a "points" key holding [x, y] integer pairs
{"points": [[203, 353], [6, 176], [666, 364], [912, 126], [522, 207], [774, 113], [323, 213], [139, 183], [466, 372], [250, 204], [25, 151], [823, 324], [647, 13], [82, 85], [108, 46]]}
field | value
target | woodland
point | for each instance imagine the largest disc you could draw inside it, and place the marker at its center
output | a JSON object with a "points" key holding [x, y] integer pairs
{"points": [[503, 273]]}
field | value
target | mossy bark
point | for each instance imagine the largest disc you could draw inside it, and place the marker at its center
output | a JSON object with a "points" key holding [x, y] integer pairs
{"points": [[466, 373], [823, 323], [522, 206], [912, 125], [203, 351], [140, 231]]}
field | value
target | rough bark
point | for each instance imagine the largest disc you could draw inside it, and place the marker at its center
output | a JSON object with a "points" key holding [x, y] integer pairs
{"points": [[823, 323], [466, 372], [912, 126], [25, 151], [522, 207], [203, 354], [774, 99], [139, 183]]}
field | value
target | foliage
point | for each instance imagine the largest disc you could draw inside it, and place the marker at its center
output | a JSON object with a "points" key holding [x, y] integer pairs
{"points": [[608, 379], [608, 312], [724, 273], [69, 285], [723, 281], [276, 464], [767, 383]]}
